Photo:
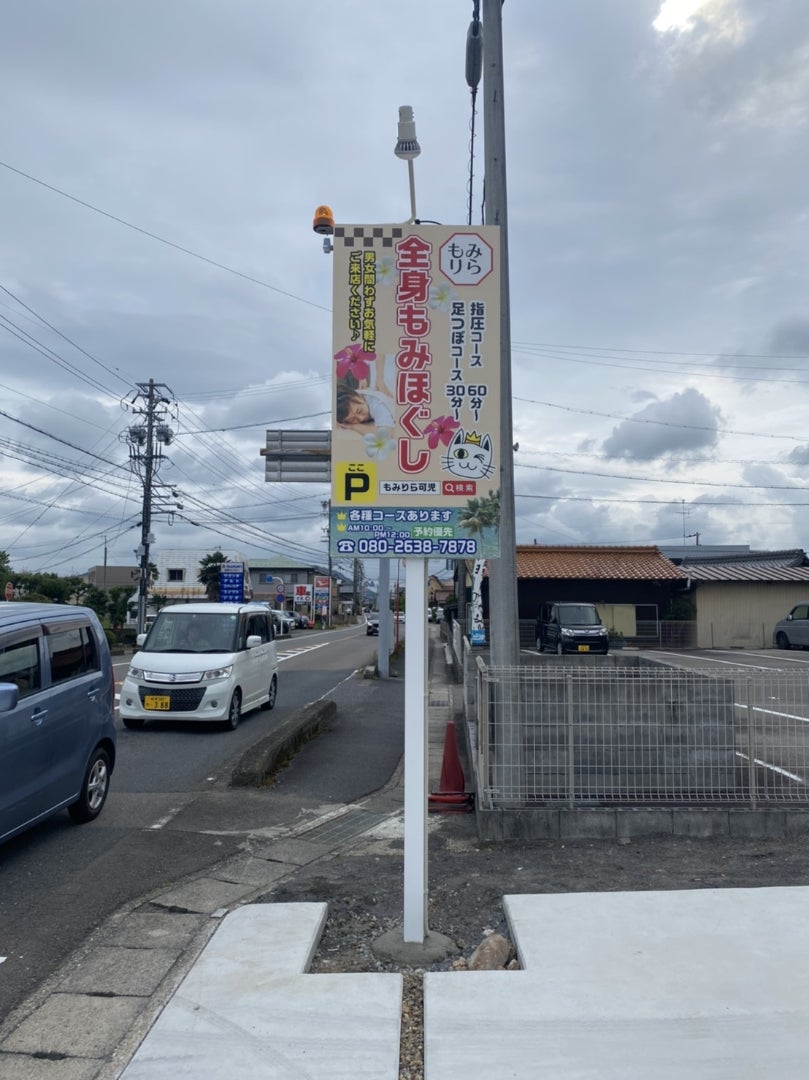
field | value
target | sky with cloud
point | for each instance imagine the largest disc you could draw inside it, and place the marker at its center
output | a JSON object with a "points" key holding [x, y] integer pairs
{"points": [[159, 170]]}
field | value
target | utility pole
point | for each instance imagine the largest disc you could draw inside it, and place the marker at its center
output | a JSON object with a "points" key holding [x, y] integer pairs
{"points": [[146, 439], [359, 575], [503, 607], [326, 506]]}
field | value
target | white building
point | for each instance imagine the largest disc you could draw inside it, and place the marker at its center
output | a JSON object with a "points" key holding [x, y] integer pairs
{"points": [[178, 572]]}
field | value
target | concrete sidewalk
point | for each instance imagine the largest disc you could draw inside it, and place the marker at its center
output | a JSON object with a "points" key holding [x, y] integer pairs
{"points": [[691, 985]]}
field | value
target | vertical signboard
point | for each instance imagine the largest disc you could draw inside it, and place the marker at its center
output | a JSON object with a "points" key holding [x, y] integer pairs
{"points": [[302, 596], [321, 585], [416, 373], [231, 582]]}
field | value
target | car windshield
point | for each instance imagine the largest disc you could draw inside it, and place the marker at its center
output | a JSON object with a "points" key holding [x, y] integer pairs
{"points": [[186, 631], [579, 615]]}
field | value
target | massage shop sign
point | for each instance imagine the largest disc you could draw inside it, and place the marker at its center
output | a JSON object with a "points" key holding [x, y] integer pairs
{"points": [[416, 375]]}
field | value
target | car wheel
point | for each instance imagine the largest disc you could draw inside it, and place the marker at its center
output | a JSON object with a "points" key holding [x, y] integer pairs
{"points": [[94, 789], [559, 649], [235, 711], [782, 641], [273, 694], [134, 723]]}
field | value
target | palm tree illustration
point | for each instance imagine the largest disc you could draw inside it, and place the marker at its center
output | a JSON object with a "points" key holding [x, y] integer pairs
{"points": [[480, 514]]}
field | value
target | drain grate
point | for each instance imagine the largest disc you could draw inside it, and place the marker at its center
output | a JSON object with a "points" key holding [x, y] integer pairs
{"points": [[438, 701], [345, 827]]}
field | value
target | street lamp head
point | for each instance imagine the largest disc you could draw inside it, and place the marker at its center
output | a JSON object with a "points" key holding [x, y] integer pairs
{"points": [[407, 145]]}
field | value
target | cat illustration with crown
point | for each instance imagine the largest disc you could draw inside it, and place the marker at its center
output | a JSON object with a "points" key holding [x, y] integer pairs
{"points": [[469, 456]]}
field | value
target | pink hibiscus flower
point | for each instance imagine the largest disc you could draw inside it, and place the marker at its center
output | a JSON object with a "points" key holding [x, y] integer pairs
{"points": [[352, 360], [441, 430]]}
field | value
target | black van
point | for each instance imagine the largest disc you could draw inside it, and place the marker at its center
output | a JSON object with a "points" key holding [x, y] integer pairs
{"points": [[568, 626]]}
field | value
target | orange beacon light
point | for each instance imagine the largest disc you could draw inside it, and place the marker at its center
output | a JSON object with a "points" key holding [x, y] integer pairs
{"points": [[324, 221]]}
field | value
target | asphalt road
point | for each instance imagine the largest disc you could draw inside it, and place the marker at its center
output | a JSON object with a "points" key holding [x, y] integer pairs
{"points": [[171, 813]]}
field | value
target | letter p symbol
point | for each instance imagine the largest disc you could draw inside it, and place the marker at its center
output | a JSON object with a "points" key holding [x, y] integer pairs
{"points": [[355, 483]]}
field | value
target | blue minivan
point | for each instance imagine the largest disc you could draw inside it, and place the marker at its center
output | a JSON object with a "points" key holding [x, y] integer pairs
{"points": [[57, 726]]}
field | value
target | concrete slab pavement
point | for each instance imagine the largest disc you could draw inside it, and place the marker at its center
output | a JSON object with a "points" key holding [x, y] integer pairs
{"points": [[248, 1009], [693, 985]]}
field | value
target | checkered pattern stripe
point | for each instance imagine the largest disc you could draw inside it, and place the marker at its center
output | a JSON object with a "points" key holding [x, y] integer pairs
{"points": [[367, 235]]}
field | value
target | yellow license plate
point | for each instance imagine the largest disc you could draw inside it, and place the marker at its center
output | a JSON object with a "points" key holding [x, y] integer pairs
{"points": [[158, 702], [582, 648]]}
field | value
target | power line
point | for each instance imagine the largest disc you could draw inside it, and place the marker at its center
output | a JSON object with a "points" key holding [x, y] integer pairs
{"points": [[258, 424], [666, 352], [162, 239], [665, 479], [49, 354], [660, 423], [657, 502], [64, 337], [56, 438], [567, 358]]}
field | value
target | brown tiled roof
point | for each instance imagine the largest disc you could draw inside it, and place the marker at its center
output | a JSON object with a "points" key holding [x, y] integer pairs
{"points": [[595, 563]]}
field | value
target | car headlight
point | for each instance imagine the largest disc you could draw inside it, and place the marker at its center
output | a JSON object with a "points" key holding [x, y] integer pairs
{"points": [[135, 673], [567, 633], [217, 673]]}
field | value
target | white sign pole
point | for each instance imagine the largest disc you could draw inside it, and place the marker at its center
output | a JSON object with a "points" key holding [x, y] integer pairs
{"points": [[415, 752]]}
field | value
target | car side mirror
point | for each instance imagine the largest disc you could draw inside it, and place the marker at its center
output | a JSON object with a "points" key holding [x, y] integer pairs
{"points": [[253, 640], [9, 696]]}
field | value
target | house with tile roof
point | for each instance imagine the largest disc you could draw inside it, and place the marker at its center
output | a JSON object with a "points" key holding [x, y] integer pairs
{"points": [[737, 599], [633, 587], [724, 599]]}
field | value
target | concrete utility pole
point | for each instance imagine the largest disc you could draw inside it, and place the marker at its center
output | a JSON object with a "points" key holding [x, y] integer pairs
{"points": [[503, 608], [146, 440]]}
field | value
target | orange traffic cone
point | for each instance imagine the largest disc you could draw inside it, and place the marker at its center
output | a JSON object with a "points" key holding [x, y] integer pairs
{"points": [[450, 794]]}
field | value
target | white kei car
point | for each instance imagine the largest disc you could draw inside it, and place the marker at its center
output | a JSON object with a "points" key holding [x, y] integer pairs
{"points": [[209, 662]]}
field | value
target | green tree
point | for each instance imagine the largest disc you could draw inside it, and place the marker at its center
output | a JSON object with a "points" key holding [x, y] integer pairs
{"points": [[57, 590], [98, 600], [118, 606], [5, 566], [78, 589], [210, 568]]}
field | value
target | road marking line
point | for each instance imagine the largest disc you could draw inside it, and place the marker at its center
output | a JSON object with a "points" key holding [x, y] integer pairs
{"points": [[164, 820], [772, 712], [772, 768], [300, 652]]}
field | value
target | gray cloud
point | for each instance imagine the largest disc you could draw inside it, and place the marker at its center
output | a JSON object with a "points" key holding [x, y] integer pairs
{"points": [[685, 423], [800, 455]]}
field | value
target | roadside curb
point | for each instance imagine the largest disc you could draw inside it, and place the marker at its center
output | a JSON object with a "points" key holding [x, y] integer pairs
{"points": [[259, 763]]}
